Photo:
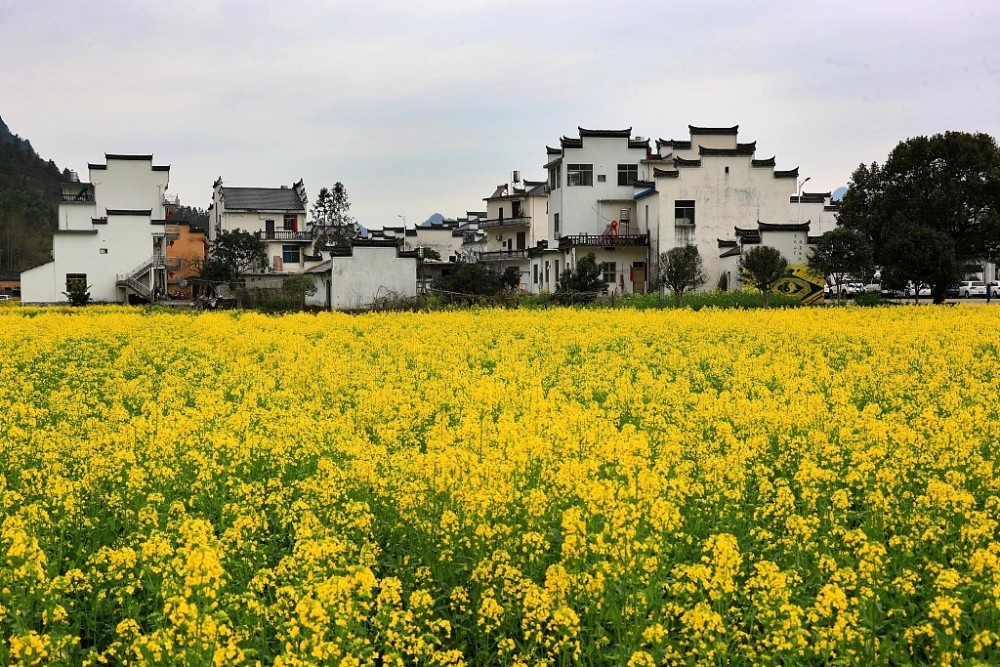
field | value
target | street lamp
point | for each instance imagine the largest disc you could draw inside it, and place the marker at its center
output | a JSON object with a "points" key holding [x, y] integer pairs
{"points": [[403, 218], [801, 183]]}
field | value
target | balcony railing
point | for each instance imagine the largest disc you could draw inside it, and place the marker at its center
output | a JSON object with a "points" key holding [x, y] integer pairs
{"points": [[604, 240], [284, 235], [501, 255], [78, 199], [521, 221]]}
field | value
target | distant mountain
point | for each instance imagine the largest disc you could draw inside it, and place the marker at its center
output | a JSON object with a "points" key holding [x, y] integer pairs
{"points": [[839, 193], [435, 219], [29, 203], [8, 137]]}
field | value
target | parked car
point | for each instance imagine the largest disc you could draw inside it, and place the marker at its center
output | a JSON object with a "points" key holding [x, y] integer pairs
{"points": [[913, 290], [971, 288], [952, 291], [994, 288], [4, 297]]}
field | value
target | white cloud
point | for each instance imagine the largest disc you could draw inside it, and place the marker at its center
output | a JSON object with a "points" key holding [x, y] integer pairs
{"points": [[424, 106]]}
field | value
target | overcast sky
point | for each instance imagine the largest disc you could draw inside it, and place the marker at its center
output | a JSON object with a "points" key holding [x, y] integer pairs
{"points": [[425, 106]]}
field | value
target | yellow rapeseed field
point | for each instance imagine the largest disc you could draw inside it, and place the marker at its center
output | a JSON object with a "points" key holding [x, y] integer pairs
{"points": [[500, 487]]}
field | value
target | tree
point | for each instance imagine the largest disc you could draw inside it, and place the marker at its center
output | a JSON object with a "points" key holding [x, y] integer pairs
{"points": [[581, 284], [681, 270], [762, 267], [233, 254], [471, 279], [298, 287], [331, 217], [78, 293], [840, 253], [922, 255], [949, 183]]}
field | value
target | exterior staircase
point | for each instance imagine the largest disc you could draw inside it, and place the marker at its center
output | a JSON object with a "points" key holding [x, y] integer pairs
{"points": [[133, 280]]}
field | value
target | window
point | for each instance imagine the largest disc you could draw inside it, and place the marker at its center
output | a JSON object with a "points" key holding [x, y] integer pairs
{"points": [[601, 178], [515, 209], [103, 251], [75, 279], [610, 271], [555, 176], [579, 174], [683, 236], [535, 267], [556, 220], [291, 222], [684, 212], [290, 254], [628, 174], [522, 240]]}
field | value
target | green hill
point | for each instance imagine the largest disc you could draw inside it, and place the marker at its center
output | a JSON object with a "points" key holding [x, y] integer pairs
{"points": [[29, 203]]}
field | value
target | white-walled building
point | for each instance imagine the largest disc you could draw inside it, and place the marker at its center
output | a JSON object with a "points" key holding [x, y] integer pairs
{"points": [[370, 270], [516, 223], [276, 216], [111, 236], [592, 209], [706, 188]]}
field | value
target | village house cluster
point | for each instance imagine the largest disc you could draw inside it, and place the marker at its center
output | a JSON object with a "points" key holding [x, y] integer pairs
{"points": [[606, 192]]}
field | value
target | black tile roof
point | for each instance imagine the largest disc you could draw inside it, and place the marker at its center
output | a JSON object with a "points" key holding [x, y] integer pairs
{"points": [[740, 150], [810, 198], [673, 143], [605, 133], [665, 173], [727, 243], [769, 162], [713, 130], [262, 199], [129, 211], [783, 226], [790, 173], [732, 252], [681, 162], [553, 151]]}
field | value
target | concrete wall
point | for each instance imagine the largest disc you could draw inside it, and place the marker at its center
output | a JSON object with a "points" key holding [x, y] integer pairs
{"points": [[371, 273], [723, 201]]}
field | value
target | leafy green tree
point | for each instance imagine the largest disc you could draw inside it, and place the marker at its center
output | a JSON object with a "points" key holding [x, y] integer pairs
{"points": [[584, 283], [763, 267], [922, 255], [78, 293], [472, 279], [681, 270], [298, 287], [234, 254], [840, 253], [949, 183], [332, 222]]}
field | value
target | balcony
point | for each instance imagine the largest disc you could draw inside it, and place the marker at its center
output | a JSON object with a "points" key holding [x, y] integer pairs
{"points": [[603, 240], [170, 231], [284, 235], [522, 221], [82, 198], [503, 255]]}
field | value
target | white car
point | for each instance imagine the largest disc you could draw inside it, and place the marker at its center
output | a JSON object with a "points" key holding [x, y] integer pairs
{"points": [[971, 288]]}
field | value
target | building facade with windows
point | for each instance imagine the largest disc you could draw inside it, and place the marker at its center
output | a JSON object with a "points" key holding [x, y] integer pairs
{"points": [[592, 209], [516, 223], [112, 234], [710, 191], [276, 216]]}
